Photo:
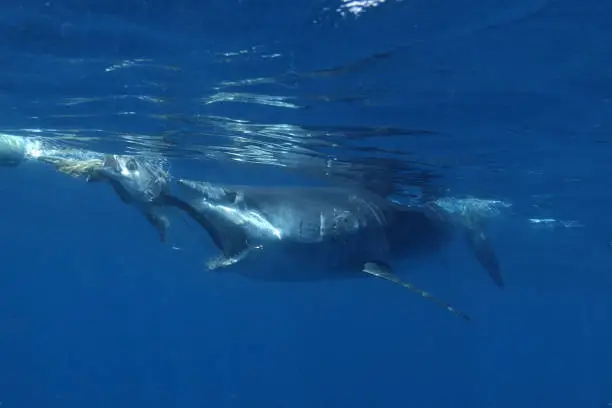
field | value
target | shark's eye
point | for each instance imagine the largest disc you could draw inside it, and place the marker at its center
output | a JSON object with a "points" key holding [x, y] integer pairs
{"points": [[131, 165]]}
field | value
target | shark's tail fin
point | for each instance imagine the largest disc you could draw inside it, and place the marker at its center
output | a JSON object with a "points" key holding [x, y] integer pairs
{"points": [[464, 214], [482, 249]]}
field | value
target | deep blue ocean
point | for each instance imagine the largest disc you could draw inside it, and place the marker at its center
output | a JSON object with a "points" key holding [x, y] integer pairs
{"points": [[508, 101]]}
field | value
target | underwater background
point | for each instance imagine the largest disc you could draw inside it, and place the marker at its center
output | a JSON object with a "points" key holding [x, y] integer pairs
{"points": [[489, 99]]}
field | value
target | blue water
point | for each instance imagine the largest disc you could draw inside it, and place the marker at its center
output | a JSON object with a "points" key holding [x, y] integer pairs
{"points": [[501, 101]]}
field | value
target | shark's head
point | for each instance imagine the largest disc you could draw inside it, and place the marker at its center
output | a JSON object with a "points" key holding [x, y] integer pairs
{"points": [[135, 179], [140, 182]]}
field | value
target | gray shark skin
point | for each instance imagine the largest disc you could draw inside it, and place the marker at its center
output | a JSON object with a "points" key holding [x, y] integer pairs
{"points": [[137, 183], [327, 232]]}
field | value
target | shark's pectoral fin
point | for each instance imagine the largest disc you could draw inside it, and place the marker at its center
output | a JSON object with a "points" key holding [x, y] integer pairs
{"points": [[482, 249], [229, 238], [161, 224], [231, 241], [223, 261], [383, 271]]}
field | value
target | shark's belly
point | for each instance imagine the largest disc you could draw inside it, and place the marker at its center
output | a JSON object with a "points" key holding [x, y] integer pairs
{"points": [[341, 258]]}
